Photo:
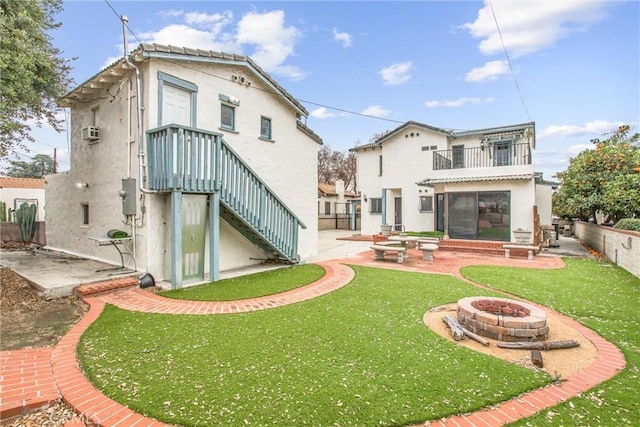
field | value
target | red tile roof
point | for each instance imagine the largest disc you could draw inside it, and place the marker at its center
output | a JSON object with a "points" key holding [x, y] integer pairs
{"points": [[8, 182]]}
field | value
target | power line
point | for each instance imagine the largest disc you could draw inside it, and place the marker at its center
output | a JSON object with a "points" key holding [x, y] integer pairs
{"points": [[504, 47], [342, 110]]}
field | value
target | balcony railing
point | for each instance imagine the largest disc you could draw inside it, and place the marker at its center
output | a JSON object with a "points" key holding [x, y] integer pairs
{"points": [[190, 160], [492, 155]]}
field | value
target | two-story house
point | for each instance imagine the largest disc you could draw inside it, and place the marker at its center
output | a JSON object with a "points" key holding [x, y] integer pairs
{"points": [[201, 157], [476, 184]]}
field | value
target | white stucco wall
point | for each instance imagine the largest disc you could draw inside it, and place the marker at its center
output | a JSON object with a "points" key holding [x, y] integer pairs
{"points": [[543, 201], [404, 163], [13, 197], [288, 165], [620, 246]]}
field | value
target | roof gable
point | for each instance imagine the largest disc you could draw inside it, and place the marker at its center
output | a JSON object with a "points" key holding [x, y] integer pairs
{"points": [[117, 70]]}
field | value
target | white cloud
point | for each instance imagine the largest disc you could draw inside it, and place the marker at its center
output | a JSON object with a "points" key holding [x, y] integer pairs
{"points": [[488, 72], [215, 23], [576, 149], [376, 111], [397, 73], [170, 13], [598, 127], [528, 26], [344, 38], [273, 41], [457, 102], [183, 35], [322, 113]]}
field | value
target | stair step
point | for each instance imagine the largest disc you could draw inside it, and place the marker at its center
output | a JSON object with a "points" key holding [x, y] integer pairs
{"points": [[98, 288]]}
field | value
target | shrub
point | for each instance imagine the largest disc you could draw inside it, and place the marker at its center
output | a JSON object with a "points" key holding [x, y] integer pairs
{"points": [[632, 224]]}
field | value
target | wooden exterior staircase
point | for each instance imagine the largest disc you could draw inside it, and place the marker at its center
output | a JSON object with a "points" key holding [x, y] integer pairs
{"points": [[190, 160]]}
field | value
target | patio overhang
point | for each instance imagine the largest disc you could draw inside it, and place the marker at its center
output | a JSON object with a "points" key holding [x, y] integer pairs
{"points": [[432, 182]]}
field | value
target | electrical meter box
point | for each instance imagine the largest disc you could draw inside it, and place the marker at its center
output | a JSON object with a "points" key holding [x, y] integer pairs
{"points": [[128, 196]]}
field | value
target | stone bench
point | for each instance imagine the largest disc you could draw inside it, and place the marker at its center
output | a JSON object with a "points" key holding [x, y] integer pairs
{"points": [[380, 251], [531, 250], [427, 250]]}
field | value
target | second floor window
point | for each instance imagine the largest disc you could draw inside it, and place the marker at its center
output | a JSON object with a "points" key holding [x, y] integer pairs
{"points": [[227, 117], [375, 206], [426, 204], [265, 128]]}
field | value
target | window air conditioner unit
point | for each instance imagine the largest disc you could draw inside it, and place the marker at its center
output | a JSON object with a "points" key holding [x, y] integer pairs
{"points": [[90, 133]]}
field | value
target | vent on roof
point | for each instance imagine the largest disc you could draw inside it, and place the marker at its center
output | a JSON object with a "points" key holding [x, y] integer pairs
{"points": [[90, 133]]}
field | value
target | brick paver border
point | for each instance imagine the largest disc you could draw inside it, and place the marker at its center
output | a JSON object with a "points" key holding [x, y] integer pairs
{"points": [[57, 371]]}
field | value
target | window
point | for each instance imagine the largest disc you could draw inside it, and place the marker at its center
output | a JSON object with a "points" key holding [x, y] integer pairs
{"points": [[327, 208], [458, 156], [426, 204], [84, 207], [227, 117], [375, 206], [265, 128], [380, 165]]}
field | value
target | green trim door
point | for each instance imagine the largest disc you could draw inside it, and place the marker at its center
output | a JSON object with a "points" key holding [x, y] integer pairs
{"points": [[194, 227]]}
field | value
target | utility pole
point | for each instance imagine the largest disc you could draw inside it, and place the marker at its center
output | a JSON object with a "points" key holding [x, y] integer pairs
{"points": [[55, 160]]}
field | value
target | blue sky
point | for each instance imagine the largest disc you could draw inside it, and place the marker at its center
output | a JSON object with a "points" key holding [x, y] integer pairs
{"points": [[363, 67]]}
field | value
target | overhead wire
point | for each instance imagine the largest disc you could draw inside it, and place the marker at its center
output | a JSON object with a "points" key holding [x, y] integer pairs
{"points": [[506, 54], [342, 110]]}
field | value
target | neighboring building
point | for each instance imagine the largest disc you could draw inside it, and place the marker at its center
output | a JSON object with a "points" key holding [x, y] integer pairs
{"points": [[476, 184], [336, 207], [544, 193], [16, 191], [200, 156]]}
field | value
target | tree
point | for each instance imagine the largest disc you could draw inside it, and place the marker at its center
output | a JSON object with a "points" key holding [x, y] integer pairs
{"points": [[40, 166], [32, 72], [604, 179], [333, 165]]}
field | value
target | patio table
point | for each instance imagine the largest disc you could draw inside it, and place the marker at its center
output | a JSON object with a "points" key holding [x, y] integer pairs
{"points": [[404, 241]]}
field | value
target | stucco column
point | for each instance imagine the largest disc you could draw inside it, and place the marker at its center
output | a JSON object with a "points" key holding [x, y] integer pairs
{"points": [[214, 236], [446, 215], [384, 206], [176, 239]]}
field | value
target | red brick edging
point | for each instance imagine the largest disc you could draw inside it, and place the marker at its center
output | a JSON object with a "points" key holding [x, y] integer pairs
{"points": [[56, 371]]}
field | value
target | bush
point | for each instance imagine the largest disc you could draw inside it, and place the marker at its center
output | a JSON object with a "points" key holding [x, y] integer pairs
{"points": [[632, 224]]}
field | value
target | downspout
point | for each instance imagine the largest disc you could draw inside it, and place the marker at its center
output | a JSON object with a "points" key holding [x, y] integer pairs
{"points": [[125, 22]]}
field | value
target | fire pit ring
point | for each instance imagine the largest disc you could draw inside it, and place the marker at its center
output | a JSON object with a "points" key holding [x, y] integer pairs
{"points": [[503, 319]]}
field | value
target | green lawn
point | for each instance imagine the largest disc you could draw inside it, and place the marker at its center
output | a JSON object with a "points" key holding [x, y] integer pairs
{"points": [[606, 299], [357, 356], [242, 287]]}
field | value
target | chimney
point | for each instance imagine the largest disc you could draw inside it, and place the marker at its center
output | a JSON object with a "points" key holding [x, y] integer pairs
{"points": [[340, 189]]}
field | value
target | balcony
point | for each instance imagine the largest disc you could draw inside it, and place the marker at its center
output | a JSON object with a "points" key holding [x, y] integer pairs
{"points": [[495, 154]]}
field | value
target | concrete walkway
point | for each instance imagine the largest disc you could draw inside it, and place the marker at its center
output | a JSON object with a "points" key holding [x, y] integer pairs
{"points": [[32, 379]]}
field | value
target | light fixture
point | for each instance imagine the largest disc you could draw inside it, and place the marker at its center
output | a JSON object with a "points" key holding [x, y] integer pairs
{"points": [[365, 198], [482, 144]]}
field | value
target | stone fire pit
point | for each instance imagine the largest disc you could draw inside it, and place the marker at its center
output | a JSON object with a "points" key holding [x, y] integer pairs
{"points": [[503, 319]]}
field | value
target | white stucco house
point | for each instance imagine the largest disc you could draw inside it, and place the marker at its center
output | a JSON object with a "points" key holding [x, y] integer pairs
{"points": [[16, 191], [476, 184], [336, 207], [193, 154]]}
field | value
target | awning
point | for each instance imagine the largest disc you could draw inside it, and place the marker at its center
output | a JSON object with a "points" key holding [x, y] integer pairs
{"points": [[430, 182]]}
